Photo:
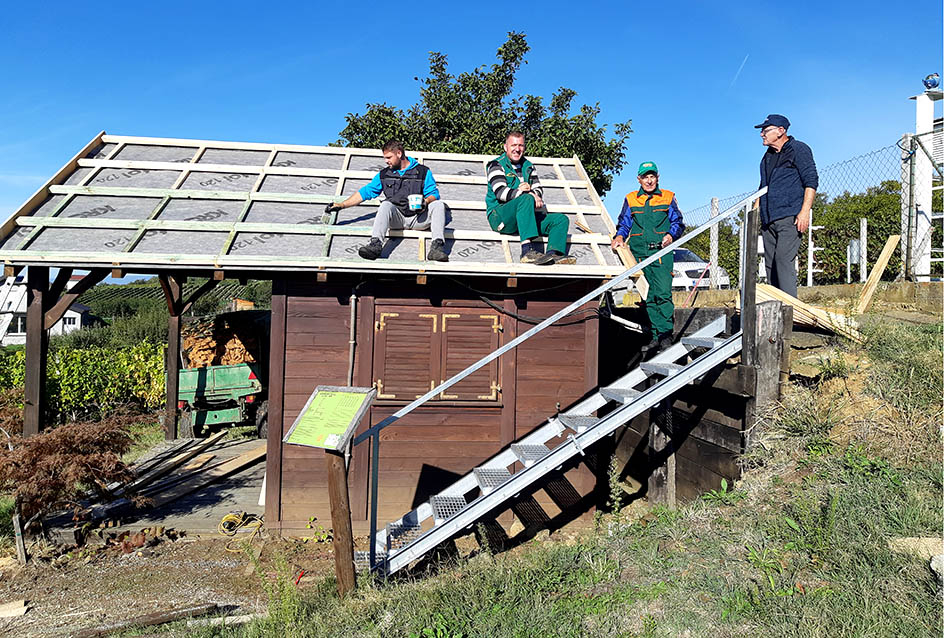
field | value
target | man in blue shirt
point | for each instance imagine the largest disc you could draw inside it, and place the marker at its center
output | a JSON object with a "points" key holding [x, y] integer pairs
{"points": [[789, 172], [402, 178]]}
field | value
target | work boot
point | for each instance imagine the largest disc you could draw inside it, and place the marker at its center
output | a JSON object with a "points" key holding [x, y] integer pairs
{"points": [[560, 258], [651, 347], [372, 250], [531, 254], [665, 341], [436, 252]]}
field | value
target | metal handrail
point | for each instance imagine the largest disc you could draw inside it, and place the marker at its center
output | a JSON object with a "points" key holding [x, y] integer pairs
{"points": [[495, 354]]}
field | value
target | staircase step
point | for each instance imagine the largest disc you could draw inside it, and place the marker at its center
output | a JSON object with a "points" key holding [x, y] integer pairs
{"points": [[362, 560], [490, 478], [528, 454], [620, 395], [662, 369], [400, 534], [446, 506], [702, 342], [577, 422]]}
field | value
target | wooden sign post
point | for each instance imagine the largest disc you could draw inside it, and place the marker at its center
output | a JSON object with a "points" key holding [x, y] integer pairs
{"points": [[327, 421]]}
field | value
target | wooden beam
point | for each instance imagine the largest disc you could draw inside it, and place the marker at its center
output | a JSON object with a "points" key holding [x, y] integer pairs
{"points": [[866, 297], [172, 291], [277, 329], [750, 280], [58, 285], [173, 286], [342, 539], [12, 271], [37, 347], [118, 273], [62, 304], [806, 314], [204, 288], [60, 176], [219, 275]]}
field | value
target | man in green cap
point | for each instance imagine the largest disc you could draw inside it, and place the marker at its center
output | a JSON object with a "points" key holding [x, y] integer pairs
{"points": [[514, 205], [650, 220]]}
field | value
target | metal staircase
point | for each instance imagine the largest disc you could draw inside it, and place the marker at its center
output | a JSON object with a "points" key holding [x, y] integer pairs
{"points": [[495, 483]]}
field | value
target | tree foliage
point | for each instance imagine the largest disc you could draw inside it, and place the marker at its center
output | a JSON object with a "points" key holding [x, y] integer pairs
{"points": [[472, 112]]}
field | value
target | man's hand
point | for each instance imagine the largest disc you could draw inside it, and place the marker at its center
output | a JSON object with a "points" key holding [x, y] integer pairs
{"points": [[332, 207], [618, 242], [667, 240], [802, 221], [538, 201], [525, 187]]}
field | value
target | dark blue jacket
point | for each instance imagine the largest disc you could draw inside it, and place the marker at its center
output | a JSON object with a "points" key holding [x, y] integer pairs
{"points": [[786, 174]]}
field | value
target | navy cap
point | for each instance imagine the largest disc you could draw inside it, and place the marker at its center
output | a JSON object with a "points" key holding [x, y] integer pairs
{"points": [[774, 120]]}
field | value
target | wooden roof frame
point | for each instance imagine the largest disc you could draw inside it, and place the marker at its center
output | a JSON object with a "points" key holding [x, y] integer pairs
{"points": [[123, 258]]}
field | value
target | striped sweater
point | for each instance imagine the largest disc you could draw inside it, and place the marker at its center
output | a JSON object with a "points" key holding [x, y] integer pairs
{"points": [[504, 180]]}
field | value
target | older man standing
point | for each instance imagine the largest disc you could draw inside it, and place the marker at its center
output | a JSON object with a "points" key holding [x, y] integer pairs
{"points": [[789, 172]]}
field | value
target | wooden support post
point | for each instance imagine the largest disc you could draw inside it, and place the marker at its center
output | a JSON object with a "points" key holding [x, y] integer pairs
{"points": [[342, 540], [661, 487], [173, 290], [276, 402], [749, 282], [37, 349], [787, 331], [769, 350]]}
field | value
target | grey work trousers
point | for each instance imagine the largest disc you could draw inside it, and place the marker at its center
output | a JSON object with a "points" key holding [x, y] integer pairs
{"points": [[388, 216], [781, 241]]}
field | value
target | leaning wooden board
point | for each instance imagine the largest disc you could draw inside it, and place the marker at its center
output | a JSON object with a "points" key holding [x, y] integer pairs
{"points": [[213, 474]]}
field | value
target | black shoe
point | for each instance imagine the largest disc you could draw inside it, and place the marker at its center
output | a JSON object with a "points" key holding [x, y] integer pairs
{"points": [[665, 341], [530, 254], [436, 252], [561, 258], [650, 347], [372, 250]]}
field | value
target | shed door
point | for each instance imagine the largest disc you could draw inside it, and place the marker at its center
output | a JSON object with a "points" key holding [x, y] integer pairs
{"points": [[416, 349]]}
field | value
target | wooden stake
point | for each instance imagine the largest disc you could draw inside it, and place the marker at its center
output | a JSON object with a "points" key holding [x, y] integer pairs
{"points": [[342, 540], [875, 275]]}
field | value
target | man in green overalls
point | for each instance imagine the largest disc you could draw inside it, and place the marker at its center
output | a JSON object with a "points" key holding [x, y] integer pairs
{"points": [[514, 205], [650, 220]]}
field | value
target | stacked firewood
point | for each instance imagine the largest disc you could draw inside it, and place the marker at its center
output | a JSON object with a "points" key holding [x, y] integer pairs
{"points": [[225, 339]]}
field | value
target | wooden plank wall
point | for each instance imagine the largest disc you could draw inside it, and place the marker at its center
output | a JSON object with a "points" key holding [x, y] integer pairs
{"points": [[432, 447]]}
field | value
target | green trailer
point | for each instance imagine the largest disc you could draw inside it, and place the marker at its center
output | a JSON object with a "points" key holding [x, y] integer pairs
{"points": [[214, 396]]}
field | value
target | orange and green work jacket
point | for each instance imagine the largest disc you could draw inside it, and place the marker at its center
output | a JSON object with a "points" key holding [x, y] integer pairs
{"points": [[646, 217]]}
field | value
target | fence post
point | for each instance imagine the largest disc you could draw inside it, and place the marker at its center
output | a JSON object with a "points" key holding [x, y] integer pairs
{"points": [[862, 250], [907, 180], [714, 247]]}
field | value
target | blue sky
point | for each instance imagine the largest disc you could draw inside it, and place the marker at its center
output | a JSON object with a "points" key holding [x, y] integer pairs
{"points": [[278, 72]]}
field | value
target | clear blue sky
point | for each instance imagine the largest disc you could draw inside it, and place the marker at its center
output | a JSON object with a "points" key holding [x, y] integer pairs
{"points": [[841, 71]]}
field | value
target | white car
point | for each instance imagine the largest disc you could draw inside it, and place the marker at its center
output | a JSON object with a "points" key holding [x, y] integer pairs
{"points": [[689, 267]]}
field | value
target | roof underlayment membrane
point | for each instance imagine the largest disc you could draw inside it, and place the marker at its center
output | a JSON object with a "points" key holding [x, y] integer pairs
{"points": [[150, 204]]}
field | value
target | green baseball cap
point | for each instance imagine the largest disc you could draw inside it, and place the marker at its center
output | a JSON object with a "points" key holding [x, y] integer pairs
{"points": [[647, 167]]}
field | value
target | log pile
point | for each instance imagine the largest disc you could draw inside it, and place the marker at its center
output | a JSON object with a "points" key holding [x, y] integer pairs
{"points": [[225, 339]]}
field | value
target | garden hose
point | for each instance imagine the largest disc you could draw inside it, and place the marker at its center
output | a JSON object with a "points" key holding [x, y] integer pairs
{"points": [[232, 523]]}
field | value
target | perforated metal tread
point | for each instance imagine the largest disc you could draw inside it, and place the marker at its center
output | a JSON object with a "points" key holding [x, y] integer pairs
{"points": [[664, 369], [701, 342], [445, 506], [620, 395], [399, 534], [362, 560], [577, 422], [490, 478], [528, 454]]}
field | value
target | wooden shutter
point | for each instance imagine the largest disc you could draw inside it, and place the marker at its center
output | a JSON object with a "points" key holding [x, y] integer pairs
{"points": [[406, 352], [468, 335]]}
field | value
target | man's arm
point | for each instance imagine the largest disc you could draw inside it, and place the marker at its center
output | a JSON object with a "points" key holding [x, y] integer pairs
{"points": [[431, 192], [497, 182], [802, 221], [534, 187], [675, 224], [807, 169], [353, 200], [624, 224]]}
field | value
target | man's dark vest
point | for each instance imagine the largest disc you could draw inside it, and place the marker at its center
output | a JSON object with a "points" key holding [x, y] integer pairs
{"points": [[397, 186]]}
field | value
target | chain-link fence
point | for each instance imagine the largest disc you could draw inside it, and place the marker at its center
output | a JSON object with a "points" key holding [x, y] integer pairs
{"points": [[896, 189]]}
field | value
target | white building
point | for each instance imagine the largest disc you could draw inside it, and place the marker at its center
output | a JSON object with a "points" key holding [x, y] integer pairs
{"points": [[13, 313]]}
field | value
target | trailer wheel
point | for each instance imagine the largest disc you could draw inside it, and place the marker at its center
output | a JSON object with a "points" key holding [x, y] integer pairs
{"points": [[262, 420]]}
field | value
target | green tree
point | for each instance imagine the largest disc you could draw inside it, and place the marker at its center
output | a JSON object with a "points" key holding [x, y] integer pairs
{"points": [[472, 113]]}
